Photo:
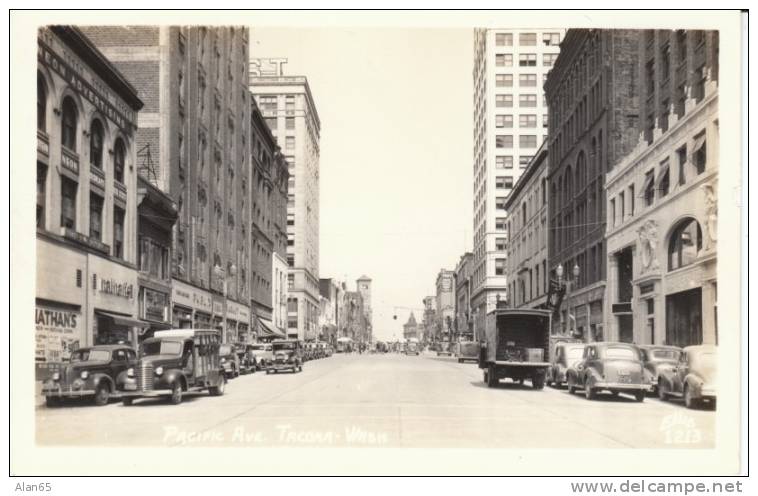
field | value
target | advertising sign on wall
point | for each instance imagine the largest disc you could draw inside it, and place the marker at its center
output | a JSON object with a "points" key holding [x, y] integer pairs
{"points": [[58, 332]]}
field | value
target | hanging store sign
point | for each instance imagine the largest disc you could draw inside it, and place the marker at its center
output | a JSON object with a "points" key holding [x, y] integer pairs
{"points": [[116, 288], [191, 297], [154, 305]]}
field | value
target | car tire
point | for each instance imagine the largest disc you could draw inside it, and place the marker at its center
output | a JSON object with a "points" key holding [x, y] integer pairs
{"points": [[268, 371], [589, 393], [689, 401], [127, 401], [538, 382], [662, 394], [639, 396], [570, 385], [176, 393], [52, 401], [102, 395], [218, 390], [491, 377]]}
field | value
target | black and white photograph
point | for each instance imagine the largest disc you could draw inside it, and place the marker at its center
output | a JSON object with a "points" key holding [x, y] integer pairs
{"points": [[275, 236]]}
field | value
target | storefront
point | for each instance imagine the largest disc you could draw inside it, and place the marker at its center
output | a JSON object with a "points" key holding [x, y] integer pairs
{"points": [[237, 319], [113, 299], [59, 330], [154, 306], [191, 306]]}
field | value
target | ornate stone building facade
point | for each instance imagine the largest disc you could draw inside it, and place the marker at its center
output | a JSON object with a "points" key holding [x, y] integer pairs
{"points": [[662, 205]]}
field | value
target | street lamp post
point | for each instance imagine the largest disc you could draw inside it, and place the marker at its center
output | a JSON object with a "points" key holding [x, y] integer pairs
{"points": [[220, 272], [569, 283]]}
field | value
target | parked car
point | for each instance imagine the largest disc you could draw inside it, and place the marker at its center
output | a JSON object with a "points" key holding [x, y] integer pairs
{"points": [[93, 373], [443, 348], [263, 354], [609, 366], [246, 360], [230, 361], [288, 355], [693, 378], [657, 358], [468, 350], [566, 356], [176, 362], [412, 347]]}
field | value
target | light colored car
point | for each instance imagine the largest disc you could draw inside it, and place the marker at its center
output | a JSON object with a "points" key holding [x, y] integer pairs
{"points": [[263, 353], [609, 366], [566, 356], [693, 378], [656, 359]]}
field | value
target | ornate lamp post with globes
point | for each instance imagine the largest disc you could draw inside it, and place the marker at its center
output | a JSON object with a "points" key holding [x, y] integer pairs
{"points": [[568, 283]]}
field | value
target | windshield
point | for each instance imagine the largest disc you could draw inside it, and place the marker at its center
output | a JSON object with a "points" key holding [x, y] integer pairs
{"points": [[90, 355], [574, 353], [161, 348], [666, 354], [621, 353], [258, 347], [225, 349], [284, 346]]}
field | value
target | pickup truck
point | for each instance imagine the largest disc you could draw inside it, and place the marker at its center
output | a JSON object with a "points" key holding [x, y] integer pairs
{"points": [[515, 346]]}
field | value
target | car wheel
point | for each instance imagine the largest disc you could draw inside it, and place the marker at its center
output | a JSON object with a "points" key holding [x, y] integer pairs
{"points": [[491, 377], [639, 396], [127, 401], [52, 401], [268, 371], [589, 393], [219, 389], [176, 393], [662, 394], [235, 372], [538, 382], [102, 395], [570, 384], [689, 401]]}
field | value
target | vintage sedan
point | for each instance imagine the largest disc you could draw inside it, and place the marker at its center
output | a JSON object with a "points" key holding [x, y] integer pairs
{"points": [[262, 353], [693, 378], [288, 355], [566, 356], [94, 373], [657, 358], [608, 366], [229, 360], [176, 362]]}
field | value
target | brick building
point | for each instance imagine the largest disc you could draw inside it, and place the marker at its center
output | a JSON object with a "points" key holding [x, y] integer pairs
{"points": [[662, 198], [191, 143], [593, 101], [463, 315], [445, 305]]}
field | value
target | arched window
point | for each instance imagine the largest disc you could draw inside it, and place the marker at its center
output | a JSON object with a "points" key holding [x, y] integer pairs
{"points": [[580, 173], [69, 122], [685, 243], [119, 158], [96, 143], [41, 103]]}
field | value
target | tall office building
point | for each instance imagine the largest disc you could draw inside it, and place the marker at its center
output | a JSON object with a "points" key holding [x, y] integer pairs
{"points": [[191, 143], [287, 105], [510, 123]]}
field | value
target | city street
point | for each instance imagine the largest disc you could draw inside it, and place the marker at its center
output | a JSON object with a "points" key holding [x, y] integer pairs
{"points": [[381, 400]]}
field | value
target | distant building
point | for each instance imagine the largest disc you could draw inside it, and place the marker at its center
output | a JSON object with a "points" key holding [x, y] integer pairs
{"points": [[355, 320], [410, 328], [289, 109], [445, 304], [526, 266], [464, 327], [429, 322], [662, 198], [330, 309], [363, 285]]}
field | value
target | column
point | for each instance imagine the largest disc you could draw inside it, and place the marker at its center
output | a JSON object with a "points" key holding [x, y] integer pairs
{"points": [[610, 333], [708, 312]]}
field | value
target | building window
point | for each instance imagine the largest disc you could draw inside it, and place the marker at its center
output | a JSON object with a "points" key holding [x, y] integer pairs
{"points": [[613, 212], [504, 182], [527, 60], [500, 202], [523, 160], [504, 162], [548, 59], [665, 61], [681, 157], [504, 141], [503, 80], [271, 123], [499, 266], [622, 205], [527, 141], [289, 143], [685, 243], [631, 199], [96, 144], [500, 223], [503, 39], [119, 158], [41, 194], [291, 260], [289, 102], [153, 258], [68, 202], [503, 121], [551, 39], [69, 123], [544, 120], [698, 153], [118, 232], [698, 89], [527, 100], [291, 285], [527, 80], [527, 39], [500, 244], [289, 123], [503, 60], [648, 188], [268, 102], [95, 216], [663, 179], [527, 120], [504, 100], [41, 103]]}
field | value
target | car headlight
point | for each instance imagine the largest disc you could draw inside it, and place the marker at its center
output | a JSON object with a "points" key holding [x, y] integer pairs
{"points": [[159, 371], [223, 359], [84, 375], [56, 376], [130, 372]]}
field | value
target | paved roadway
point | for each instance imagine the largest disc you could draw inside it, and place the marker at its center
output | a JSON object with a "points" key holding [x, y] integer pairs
{"points": [[381, 400]]}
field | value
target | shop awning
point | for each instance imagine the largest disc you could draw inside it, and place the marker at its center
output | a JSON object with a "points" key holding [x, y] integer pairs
{"points": [[122, 320], [269, 330]]}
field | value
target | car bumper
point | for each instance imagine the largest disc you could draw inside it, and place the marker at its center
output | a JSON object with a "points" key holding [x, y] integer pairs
{"points": [[282, 366], [621, 386], [59, 392], [131, 391]]}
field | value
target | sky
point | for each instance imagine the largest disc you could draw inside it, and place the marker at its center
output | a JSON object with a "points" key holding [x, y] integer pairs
{"points": [[396, 109]]}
